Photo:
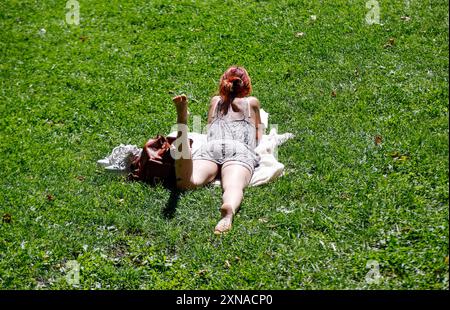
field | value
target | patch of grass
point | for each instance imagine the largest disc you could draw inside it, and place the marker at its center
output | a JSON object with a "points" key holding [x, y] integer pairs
{"points": [[72, 93]]}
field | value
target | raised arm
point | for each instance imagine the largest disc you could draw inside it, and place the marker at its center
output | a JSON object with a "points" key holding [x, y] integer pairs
{"points": [[212, 108], [255, 106]]}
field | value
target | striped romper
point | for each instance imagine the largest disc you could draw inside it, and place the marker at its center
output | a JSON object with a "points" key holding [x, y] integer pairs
{"points": [[230, 140]]}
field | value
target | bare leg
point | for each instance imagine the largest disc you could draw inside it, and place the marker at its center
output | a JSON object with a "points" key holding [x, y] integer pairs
{"points": [[189, 173], [235, 178]]}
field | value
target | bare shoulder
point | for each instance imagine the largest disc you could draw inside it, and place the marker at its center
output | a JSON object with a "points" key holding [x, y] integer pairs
{"points": [[254, 102], [214, 101]]}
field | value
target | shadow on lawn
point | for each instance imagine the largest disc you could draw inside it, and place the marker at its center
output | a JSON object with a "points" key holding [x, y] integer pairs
{"points": [[170, 208]]}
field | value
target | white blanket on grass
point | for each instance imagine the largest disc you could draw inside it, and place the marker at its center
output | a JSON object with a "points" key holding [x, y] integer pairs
{"points": [[269, 167]]}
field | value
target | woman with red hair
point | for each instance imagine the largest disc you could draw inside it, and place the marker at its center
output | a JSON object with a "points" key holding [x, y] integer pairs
{"points": [[233, 132]]}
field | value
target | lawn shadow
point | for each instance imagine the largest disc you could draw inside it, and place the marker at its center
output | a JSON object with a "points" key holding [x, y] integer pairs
{"points": [[171, 206]]}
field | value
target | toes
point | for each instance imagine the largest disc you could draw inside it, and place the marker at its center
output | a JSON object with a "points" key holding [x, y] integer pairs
{"points": [[224, 225], [179, 99]]}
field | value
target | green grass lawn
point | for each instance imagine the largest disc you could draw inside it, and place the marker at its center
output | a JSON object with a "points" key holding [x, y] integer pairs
{"points": [[71, 93]]}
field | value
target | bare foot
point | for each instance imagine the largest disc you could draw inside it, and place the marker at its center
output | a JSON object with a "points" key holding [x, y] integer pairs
{"points": [[181, 105], [180, 101], [224, 224]]}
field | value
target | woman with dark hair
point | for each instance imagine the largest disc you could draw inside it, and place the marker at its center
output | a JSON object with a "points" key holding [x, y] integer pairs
{"points": [[234, 130]]}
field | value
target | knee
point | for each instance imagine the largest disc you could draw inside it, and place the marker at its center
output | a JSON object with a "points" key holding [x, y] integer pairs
{"points": [[235, 188]]}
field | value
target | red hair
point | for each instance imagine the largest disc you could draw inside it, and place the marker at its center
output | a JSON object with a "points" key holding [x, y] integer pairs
{"points": [[235, 82]]}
